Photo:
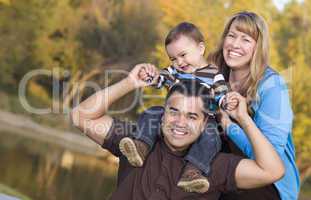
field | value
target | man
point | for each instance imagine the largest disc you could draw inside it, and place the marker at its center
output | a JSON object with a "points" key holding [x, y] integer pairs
{"points": [[182, 123]]}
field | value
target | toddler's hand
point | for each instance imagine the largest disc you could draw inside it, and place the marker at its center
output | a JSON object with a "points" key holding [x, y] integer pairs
{"points": [[149, 73], [231, 104]]}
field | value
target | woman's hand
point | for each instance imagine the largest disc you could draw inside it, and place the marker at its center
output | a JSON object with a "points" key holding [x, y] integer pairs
{"points": [[240, 112], [143, 75]]}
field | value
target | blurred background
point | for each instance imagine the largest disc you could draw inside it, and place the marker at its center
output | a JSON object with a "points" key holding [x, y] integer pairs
{"points": [[52, 50]]}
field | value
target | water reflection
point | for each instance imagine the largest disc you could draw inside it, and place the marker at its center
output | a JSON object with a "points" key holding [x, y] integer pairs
{"points": [[45, 171]]}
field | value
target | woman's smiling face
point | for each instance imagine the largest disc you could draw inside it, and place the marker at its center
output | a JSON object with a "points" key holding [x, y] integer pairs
{"points": [[238, 48]]}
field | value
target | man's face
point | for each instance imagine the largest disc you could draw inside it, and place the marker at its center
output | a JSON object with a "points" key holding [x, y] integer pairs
{"points": [[183, 121]]}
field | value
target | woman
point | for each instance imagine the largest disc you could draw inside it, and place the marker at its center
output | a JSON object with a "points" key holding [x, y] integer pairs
{"points": [[242, 56]]}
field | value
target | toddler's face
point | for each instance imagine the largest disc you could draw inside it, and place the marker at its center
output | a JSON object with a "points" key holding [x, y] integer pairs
{"points": [[186, 54]]}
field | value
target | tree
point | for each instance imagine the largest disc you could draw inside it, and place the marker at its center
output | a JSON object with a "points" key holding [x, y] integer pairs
{"points": [[291, 38], [19, 23]]}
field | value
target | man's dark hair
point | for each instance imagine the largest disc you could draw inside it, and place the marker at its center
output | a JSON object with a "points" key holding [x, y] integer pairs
{"points": [[186, 29], [191, 88]]}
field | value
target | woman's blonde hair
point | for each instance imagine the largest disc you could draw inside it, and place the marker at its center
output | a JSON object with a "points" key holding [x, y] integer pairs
{"points": [[256, 27]]}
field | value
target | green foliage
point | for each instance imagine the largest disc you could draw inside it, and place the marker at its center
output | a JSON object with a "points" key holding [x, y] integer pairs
{"points": [[131, 32], [19, 24], [294, 33]]}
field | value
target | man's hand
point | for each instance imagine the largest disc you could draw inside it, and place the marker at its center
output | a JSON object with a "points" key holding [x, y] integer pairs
{"points": [[231, 105], [240, 111]]}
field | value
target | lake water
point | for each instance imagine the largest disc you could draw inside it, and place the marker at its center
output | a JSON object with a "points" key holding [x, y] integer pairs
{"points": [[48, 172]]}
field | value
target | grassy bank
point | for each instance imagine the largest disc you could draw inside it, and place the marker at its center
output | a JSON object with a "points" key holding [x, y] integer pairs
{"points": [[9, 191], [11, 103]]}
